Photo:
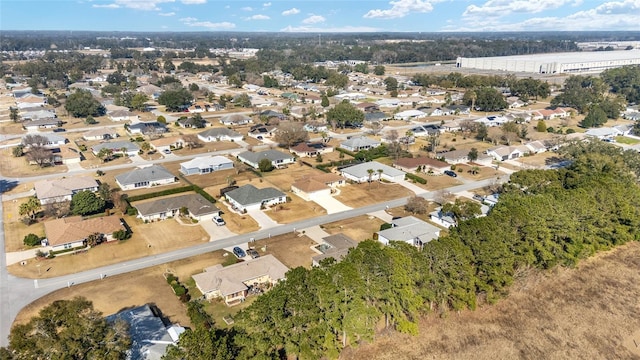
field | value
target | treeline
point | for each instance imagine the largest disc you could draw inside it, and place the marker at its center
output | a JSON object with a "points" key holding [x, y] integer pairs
{"points": [[544, 218]]}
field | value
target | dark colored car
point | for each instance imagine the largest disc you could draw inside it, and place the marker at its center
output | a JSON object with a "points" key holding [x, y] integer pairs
{"points": [[238, 252], [478, 197], [253, 253], [450, 173]]}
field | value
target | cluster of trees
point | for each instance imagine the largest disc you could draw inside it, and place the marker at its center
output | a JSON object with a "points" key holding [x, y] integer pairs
{"points": [[344, 114], [82, 104], [624, 81], [175, 99], [544, 218], [68, 329]]}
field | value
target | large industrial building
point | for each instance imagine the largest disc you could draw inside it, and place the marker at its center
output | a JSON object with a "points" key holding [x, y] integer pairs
{"points": [[556, 63]]}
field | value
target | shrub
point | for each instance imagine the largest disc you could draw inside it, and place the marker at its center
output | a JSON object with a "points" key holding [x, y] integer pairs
{"points": [[416, 178], [121, 235], [32, 240], [570, 131], [171, 278], [385, 226], [550, 130]]}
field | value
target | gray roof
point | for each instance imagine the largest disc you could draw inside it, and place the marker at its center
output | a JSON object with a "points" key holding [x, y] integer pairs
{"points": [[221, 131], [359, 142], [409, 228], [150, 173], [340, 245], [116, 146], [205, 162], [41, 122], [361, 170], [249, 194], [196, 203], [145, 126], [272, 155]]}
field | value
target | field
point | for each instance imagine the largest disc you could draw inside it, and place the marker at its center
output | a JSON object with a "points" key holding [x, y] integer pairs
{"points": [[590, 312]]}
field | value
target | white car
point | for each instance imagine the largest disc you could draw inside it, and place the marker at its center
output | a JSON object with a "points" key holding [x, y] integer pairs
{"points": [[218, 220]]}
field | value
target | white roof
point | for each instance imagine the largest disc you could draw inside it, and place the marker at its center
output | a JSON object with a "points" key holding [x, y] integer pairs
{"points": [[204, 162], [361, 170], [410, 113]]}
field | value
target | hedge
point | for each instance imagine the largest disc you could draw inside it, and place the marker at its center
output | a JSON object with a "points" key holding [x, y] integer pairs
{"points": [[416, 178], [194, 188]]}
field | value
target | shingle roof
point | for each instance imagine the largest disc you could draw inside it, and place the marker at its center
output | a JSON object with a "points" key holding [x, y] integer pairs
{"points": [[409, 228], [359, 142], [150, 173], [361, 170], [196, 203], [249, 194], [272, 155], [205, 162], [74, 228], [63, 187], [217, 132], [116, 146]]}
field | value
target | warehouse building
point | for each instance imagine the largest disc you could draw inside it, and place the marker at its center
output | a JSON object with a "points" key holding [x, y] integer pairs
{"points": [[556, 63]]}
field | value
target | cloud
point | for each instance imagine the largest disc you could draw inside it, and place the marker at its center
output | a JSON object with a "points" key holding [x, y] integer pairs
{"points": [[193, 22], [247, 8], [344, 29], [108, 6], [267, 4], [612, 15], [499, 8], [291, 11], [258, 17], [146, 5], [313, 19], [401, 8], [167, 14], [193, 2]]}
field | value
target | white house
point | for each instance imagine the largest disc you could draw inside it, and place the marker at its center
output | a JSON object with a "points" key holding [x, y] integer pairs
{"points": [[278, 159], [166, 207], [219, 134], [356, 144], [313, 187], [72, 232], [410, 115], [145, 177], [59, 190], [248, 197], [205, 165], [410, 230], [361, 172]]}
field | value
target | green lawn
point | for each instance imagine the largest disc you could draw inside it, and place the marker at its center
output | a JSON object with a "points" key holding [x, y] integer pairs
{"points": [[627, 140]]}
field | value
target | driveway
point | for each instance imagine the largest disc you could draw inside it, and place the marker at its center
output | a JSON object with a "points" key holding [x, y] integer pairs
{"points": [[330, 204], [414, 188], [216, 232], [264, 221]]}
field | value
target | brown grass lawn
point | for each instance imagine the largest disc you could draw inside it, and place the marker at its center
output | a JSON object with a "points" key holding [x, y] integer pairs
{"points": [[538, 160], [283, 178], [590, 312], [357, 195], [294, 210], [292, 249], [207, 147], [359, 228], [11, 127], [160, 236], [14, 229], [11, 166], [19, 188], [400, 211], [239, 224], [93, 162], [214, 179], [484, 172]]}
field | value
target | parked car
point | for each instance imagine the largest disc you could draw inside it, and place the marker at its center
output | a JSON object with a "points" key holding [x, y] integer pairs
{"points": [[166, 151], [450, 173], [218, 220], [253, 253], [238, 252], [59, 130], [478, 197]]}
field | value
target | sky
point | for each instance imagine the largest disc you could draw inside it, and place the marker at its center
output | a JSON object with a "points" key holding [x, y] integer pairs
{"points": [[321, 16]]}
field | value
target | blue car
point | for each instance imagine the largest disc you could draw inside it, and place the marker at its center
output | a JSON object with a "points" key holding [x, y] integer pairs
{"points": [[238, 252]]}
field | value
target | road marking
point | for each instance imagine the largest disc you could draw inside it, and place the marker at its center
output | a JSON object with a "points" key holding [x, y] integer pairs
{"points": [[35, 283]]}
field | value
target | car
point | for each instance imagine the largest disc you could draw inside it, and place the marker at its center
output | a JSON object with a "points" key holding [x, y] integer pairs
{"points": [[218, 220], [253, 253], [59, 130], [166, 151], [238, 252], [450, 173], [478, 197]]}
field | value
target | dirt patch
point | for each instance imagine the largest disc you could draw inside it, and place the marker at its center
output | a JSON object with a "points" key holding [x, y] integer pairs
{"points": [[294, 210], [358, 195], [550, 315], [238, 223], [358, 228], [482, 172], [292, 249]]}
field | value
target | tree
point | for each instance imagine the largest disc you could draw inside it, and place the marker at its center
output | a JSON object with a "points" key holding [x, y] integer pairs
{"points": [[270, 82], [462, 209], [482, 132], [40, 155], [473, 154], [370, 172], [290, 133], [344, 113], [30, 207], [490, 99], [417, 205], [138, 102], [145, 146], [378, 70], [193, 87], [337, 80], [191, 141], [70, 329], [361, 67], [90, 120], [86, 202], [18, 150], [596, 117], [174, 100], [82, 104], [542, 126], [105, 191], [580, 92], [14, 115], [265, 165], [325, 101], [391, 83], [242, 100]]}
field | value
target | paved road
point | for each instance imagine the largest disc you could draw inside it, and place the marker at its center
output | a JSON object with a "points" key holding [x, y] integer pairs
{"points": [[18, 292]]}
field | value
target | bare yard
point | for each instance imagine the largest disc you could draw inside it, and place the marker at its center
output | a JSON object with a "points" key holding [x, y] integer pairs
{"points": [[357, 195], [358, 228], [14, 229]]}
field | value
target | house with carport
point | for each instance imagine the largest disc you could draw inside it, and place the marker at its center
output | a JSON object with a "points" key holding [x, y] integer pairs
{"points": [[361, 173], [249, 197], [162, 208], [219, 134], [409, 229], [60, 190], [126, 148], [72, 232], [104, 133], [278, 158], [167, 143], [232, 283], [145, 177], [356, 144], [311, 187], [205, 165]]}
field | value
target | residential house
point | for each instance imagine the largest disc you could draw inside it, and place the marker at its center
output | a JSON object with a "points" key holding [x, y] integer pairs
{"points": [[166, 207], [248, 197], [278, 158], [410, 230], [311, 187], [46, 123], [514, 102], [67, 154], [335, 246], [603, 133], [368, 107], [443, 219], [148, 333], [462, 156], [150, 90], [145, 177], [268, 114], [493, 120], [192, 123], [408, 115], [37, 114], [310, 149], [104, 133], [557, 113], [147, 128], [361, 172], [200, 107], [123, 115], [375, 116], [356, 144], [48, 140], [205, 165], [502, 153], [167, 143], [262, 131], [72, 232], [126, 148], [536, 147], [219, 134], [235, 120], [426, 130], [459, 109], [422, 163], [31, 100], [232, 283], [59, 190]]}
